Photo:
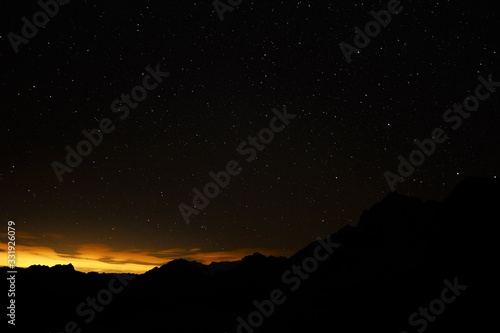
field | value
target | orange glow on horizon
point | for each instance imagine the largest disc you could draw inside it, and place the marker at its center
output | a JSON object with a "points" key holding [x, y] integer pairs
{"points": [[102, 258]]}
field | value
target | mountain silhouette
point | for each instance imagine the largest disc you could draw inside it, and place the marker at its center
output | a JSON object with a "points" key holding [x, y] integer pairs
{"points": [[395, 261]]}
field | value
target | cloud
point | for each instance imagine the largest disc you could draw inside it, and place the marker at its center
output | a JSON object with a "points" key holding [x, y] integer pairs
{"points": [[25, 235], [28, 235], [103, 258]]}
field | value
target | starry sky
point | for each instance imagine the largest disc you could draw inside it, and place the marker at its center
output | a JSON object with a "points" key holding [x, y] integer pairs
{"points": [[119, 208]]}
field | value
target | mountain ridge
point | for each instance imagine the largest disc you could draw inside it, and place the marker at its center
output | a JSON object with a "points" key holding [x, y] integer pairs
{"points": [[393, 262]]}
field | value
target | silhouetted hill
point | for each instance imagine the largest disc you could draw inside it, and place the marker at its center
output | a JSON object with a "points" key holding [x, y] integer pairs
{"points": [[392, 263]]}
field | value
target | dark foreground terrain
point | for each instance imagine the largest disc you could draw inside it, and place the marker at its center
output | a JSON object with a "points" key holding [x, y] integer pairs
{"points": [[431, 261]]}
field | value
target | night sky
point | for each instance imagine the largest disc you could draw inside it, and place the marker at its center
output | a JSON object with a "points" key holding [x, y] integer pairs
{"points": [[119, 208]]}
